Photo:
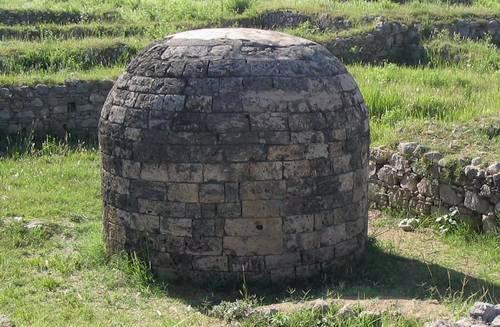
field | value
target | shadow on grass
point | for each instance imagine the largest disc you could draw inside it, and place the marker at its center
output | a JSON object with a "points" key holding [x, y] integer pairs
{"points": [[379, 275]]}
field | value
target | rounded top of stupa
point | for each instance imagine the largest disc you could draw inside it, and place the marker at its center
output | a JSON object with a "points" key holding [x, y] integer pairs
{"points": [[231, 151]]}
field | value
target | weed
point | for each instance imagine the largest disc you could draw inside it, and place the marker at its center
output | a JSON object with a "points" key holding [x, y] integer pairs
{"points": [[233, 311], [17, 235], [238, 6]]}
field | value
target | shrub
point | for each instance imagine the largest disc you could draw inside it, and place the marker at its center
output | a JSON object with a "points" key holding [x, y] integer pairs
{"points": [[238, 6]]}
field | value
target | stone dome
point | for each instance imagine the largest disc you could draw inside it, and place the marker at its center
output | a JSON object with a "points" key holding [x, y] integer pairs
{"points": [[235, 151]]}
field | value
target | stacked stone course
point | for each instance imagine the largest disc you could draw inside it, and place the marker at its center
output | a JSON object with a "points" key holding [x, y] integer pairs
{"points": [[53, 110], [236, 150]]}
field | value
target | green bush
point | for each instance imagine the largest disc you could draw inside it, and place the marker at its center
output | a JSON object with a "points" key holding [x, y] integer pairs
{"points": [[238, 6]]}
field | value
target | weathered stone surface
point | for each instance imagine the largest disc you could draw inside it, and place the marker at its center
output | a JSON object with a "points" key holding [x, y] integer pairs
{"points": [[483, 311], [231, 150], [407, 148], [432, 183], [482, 314], [490, 224], [474, 202], [6, 322], [387, 174], [449, 195], [493, 168]]}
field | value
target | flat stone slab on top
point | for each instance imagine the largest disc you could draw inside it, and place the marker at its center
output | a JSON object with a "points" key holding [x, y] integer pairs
{"points": [[265, 37]]}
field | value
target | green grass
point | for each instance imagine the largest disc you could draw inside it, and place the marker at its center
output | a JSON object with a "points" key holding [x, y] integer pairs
{"points": [[330, 317], [434, 106], [40, 77], [54, 31], [446, 51], [52, 56]]}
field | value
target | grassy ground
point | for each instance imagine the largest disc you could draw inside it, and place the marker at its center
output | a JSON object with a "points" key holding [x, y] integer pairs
{"points": [[59, 275]]}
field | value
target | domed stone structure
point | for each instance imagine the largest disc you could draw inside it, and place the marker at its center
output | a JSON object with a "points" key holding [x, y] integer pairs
{"points": [[235, 151]]}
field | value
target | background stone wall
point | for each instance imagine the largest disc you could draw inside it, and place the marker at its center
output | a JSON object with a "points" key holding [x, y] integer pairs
{"points": [[73, 108], [388, 41], [17, 17], [469, 29], [425, 181]]}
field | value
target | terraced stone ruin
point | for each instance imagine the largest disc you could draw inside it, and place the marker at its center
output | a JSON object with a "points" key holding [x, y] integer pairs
{"points": [[236, 151]]}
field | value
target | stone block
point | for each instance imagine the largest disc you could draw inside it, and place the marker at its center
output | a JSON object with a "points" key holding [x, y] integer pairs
{"points": [[286, 152], [332, 235], [226, 172], [262, 190], [162, 208], [253, 245], [143, 222], [184, 172], [227, 122], [231, 209], [204, 246], [449, 195], [131, 169], [282, 260], [183, 192], [231, 192], [262, 208], [346, 82], [283, 274], [297, 168], [273, 121], [306, 121], [317, 150], [176, 226], [325, 218], [210, 263], [246, 152], [266, 170], [302, 241], [307, 137], [346, 182], [307, 271], [211, 193], [208, 227], [198, 103], [298, 224], [474, 202], [246, 263], [253, 227]]}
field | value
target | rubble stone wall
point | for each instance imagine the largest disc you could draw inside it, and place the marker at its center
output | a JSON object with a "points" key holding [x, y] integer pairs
{"points": [[425, 181]]}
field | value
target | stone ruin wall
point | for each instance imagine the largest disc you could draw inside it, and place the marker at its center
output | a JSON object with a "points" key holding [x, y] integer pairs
{"points": [[72, 108], [424, 181]]}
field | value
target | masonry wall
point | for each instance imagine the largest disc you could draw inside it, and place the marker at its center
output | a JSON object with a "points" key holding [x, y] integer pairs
{"points": [[73, 108], [471, 29], [424, 181]]}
